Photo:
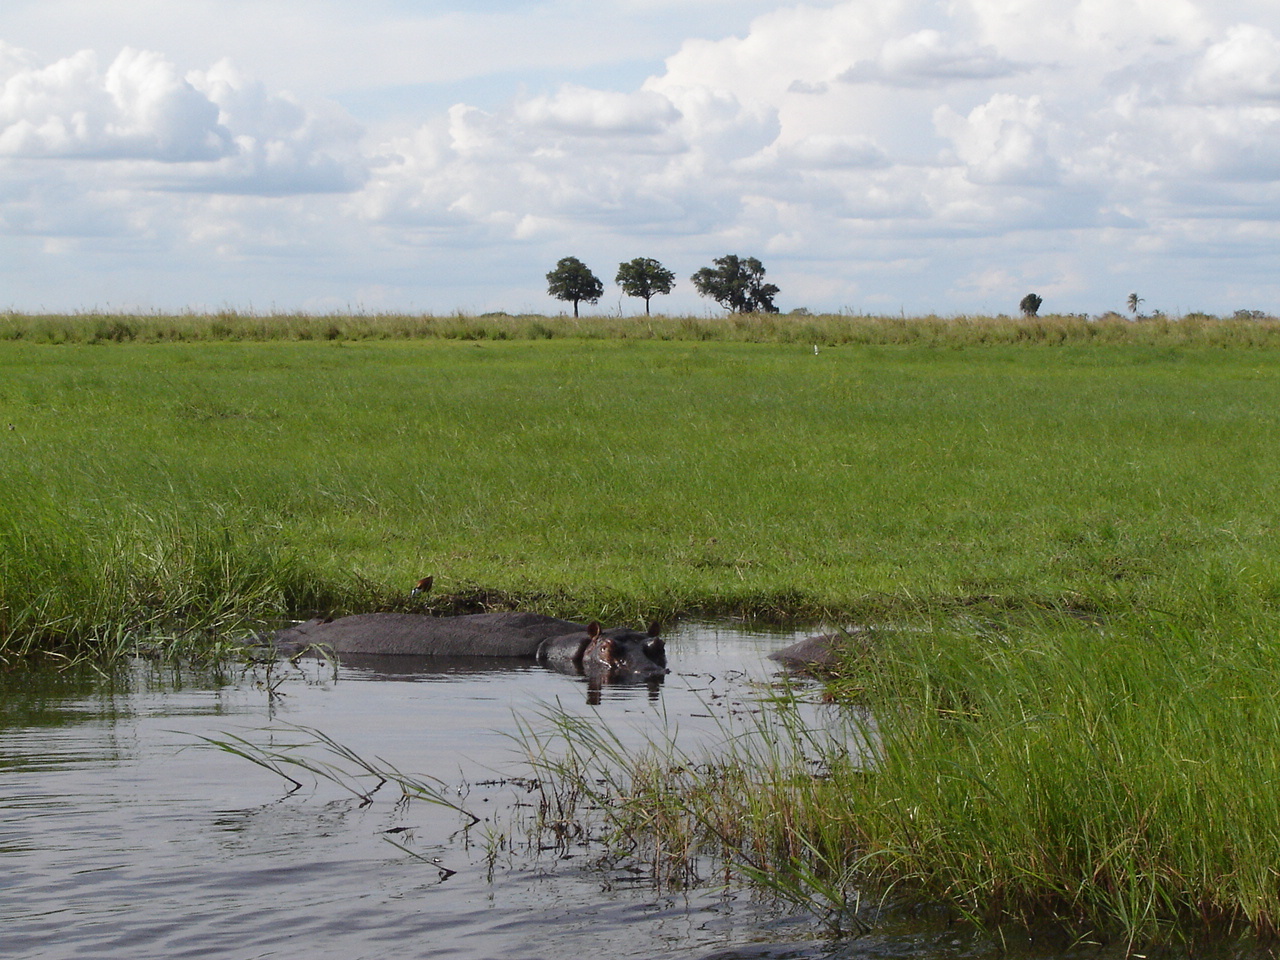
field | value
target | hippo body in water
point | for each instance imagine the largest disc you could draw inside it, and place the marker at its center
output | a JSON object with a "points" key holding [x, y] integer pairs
{"points": [[819, 651], [603, 656]]}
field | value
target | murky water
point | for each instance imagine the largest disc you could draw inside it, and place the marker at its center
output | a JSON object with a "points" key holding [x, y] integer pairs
{"points": [[121, 835]]}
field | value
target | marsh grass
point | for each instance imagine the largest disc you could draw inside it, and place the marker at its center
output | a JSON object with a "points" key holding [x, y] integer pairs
{"points": [[315, 754], [198, 489], [679, 819], [130, 582], [1198, 329], [1120, 783], [1077, 517]]}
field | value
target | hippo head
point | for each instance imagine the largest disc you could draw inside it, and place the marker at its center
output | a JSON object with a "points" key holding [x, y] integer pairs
{"points": [[624, 655]]}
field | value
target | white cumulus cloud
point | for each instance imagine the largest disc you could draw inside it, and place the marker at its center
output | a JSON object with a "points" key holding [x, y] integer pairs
{"points": [[1243, 65], [208, 131], [140, 107], [586, 112], [1002, 142], [927, 57]]}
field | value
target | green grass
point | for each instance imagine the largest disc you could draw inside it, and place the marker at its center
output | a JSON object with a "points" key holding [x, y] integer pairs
{"points": [[218, 483], [829, 329], [1121, 784], [1077, 516]]}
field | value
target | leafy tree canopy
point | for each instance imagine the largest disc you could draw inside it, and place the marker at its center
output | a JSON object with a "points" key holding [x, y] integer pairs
{"points": [[737, 283], [571, 280], [1030, 304], [644, 277]]}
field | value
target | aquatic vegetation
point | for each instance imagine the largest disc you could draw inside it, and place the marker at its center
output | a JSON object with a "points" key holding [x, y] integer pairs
{"points": [[315, 754], [1117, 781]]}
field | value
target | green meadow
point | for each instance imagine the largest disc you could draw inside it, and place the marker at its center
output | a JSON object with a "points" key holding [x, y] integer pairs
{"points": [[1076, 520], [204, 484]]}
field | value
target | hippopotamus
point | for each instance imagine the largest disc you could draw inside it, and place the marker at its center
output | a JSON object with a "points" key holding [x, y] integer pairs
{"points": [[818, 651], [602, 656], [826, 652]]}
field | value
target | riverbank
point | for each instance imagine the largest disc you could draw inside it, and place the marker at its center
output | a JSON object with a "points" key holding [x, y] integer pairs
{"points": [[1113, 786]]}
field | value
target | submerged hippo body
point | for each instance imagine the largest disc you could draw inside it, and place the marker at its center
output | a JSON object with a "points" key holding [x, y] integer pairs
{"points": [[819, 651], [604, 656]]}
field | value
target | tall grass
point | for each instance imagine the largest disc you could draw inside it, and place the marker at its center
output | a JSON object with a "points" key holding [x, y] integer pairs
{"points": [[1119, 782], [74, 583], [1197, 329], [625, 480]]}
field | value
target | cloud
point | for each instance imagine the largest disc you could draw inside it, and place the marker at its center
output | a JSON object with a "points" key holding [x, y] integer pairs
{"points": [[929, 58], [1002, 142], [584, 112], [1244, 65], [280, 146], [832, 151], [645, 160], [210, 131], [139, 108]]}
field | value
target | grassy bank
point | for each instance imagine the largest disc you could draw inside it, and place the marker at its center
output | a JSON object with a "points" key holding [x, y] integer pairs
{"points": [[222, 482], [1119, 783]]}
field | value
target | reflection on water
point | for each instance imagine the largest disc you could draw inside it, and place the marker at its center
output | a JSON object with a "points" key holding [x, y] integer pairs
{"points": [[122, 836]]}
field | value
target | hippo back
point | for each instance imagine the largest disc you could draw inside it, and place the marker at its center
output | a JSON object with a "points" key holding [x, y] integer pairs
{"points": [[406, 634]]}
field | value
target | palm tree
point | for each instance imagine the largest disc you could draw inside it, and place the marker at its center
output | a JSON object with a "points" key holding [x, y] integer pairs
{"points": [[1134, 300]]}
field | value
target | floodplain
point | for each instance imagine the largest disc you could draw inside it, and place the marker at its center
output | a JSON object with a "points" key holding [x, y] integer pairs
{"points": [[1061, 532]]}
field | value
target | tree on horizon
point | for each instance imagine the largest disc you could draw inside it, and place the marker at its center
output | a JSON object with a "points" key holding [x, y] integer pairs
{"points": [[572, 280], [644, 277], [737, 283]]}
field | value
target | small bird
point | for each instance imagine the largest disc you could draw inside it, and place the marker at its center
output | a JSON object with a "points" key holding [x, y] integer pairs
{"points": [[424, 586]]}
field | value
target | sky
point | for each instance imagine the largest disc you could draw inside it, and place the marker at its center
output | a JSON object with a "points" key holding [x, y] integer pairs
{"points": [[878, 156]]}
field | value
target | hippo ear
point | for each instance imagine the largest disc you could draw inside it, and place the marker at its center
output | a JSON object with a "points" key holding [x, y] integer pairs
{"points": [[655, 628], [593, 629]]}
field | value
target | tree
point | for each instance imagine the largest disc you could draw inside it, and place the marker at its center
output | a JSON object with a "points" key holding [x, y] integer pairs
{"points": [[644, 277], [1030, 304], [571, 280], [1134, 301], [737, 283]]}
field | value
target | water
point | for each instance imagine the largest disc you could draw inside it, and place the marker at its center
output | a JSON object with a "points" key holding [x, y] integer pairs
{"points": [[122, 835]]}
